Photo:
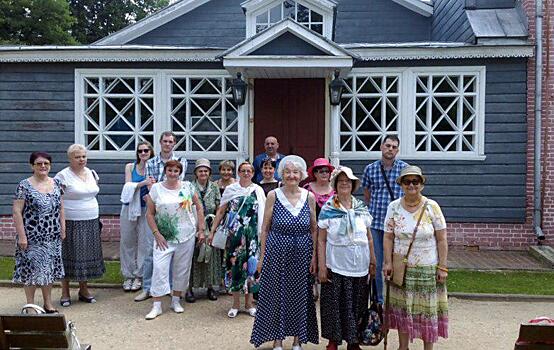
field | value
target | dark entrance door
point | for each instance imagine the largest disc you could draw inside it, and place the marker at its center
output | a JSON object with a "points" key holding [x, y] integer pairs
{"points": [[293, 110]]}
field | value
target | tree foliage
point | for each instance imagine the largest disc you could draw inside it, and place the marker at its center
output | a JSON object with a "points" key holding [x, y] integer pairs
{"points": [[96, 19], [35, 22]]}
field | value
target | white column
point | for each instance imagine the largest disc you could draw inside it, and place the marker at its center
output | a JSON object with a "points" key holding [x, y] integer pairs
{"points": [[334, 135]]}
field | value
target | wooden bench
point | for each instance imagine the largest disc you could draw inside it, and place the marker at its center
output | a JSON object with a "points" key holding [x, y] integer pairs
{"points": [[34, 331], [535, 336]]}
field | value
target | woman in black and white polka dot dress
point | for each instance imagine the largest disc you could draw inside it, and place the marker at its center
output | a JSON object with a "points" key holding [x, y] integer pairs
{"points": [[286, 306]]}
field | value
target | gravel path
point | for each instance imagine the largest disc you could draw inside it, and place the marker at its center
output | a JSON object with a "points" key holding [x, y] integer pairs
{"points": [[116, 322]]}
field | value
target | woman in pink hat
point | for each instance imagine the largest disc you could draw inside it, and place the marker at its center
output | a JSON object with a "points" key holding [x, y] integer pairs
{"points": [[320, 185]]}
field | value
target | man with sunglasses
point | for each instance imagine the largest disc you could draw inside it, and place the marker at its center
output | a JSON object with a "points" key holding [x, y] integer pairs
{"points": [[155, 171], [380, 189]]}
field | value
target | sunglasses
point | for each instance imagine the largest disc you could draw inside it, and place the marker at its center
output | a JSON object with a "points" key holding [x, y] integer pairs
{"points": [[414, 182], [42, 164], [143, 150], [322, 171]]}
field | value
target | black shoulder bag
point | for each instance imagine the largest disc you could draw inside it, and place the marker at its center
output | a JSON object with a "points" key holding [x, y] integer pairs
{"points": [[387, 183]]}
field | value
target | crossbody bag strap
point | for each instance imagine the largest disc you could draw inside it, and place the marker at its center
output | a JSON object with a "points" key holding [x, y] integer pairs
{"points": [[415, 230], [387, 182]]}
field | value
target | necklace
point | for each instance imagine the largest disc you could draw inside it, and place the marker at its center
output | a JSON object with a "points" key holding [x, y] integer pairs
{"points": [[412, 205]]}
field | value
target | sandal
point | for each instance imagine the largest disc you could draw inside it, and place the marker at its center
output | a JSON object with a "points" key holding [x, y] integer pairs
{"points": [[232, 313], [50, 311], [65, 302], [90, 300], [251, 311]]}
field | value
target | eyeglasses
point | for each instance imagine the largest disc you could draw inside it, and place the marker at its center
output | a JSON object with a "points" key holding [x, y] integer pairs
{"points": [[42, 164], [414, 182], [143, 150]]}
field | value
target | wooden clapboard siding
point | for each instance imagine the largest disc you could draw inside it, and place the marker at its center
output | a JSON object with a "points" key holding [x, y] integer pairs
{"points": [[450, 22], [218, 23], [492, 190]]}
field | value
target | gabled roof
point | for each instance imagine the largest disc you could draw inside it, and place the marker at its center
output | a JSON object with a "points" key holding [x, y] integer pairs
{"points": [[424, 8], [151, 22], [250, 5], [286, 25]]}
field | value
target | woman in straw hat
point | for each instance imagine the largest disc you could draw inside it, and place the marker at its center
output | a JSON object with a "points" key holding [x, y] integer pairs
{"points": [[346, 257], [206, 262], [419, 307], [287, 257]]}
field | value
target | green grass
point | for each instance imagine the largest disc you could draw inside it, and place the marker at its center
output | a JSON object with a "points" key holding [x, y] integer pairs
{"points": [[504, 282], [466, 281], [112, 275]]}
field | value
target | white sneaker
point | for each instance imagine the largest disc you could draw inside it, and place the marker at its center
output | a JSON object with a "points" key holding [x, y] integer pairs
{"points": [[136, 285], [297, 347], [127, 284], [155, 312], [143, 296], [177, 307], [252, 311]]}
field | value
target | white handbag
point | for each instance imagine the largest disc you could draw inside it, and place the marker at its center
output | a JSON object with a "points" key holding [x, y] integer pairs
{"points": [[222, 232], [70, 330]]}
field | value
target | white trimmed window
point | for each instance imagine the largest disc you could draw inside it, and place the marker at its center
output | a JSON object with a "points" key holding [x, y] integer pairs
{"points": [[314, 14], [437, 112], [117, 109], [203, 114]]}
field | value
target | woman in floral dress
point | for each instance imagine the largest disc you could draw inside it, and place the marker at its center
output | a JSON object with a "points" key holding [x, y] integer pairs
{"points": [[206, 262], [40, 226], [245, 201], [419, 308]]}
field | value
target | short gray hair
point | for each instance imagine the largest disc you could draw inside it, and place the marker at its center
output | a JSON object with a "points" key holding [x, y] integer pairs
{"points": [[76, 147], [297, 162]]}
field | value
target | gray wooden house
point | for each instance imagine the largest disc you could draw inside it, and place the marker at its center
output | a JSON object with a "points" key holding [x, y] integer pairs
{"points": [[447, 76]]}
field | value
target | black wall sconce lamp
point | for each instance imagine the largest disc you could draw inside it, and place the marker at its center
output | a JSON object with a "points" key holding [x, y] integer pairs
{"points": [[239, 89], [335, 89]]}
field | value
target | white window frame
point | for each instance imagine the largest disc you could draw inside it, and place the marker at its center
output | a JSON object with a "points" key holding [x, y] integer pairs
{"points": [[162, 110], [407, 103], [326, 12]]}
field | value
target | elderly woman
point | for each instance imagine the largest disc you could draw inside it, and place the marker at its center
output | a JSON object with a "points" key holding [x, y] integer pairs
{"points": [[268, 182], [82, 248], [226, 175], [206, 262], [40, 226], [245, 201], [285, 305], [135, 234], [346, 257], [415, 226], [170, 217]]}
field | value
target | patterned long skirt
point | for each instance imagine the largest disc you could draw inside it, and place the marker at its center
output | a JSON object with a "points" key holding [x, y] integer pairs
{"points": [[420, 308], [343, 303], [82, 250], [206, 274]]}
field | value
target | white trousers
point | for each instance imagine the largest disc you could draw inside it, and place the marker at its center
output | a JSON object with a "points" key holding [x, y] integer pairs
{"points": [[134, 243], [182, 262]]}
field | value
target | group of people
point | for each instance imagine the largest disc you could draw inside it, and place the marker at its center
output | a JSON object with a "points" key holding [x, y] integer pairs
{"points": [[288, 228]]}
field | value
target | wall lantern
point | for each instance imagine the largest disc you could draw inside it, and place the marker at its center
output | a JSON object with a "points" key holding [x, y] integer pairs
{"points": [[335, 89], [239, 88]]}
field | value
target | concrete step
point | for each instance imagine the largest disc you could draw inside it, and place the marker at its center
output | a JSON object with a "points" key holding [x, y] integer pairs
{"points": [[543, 253]]}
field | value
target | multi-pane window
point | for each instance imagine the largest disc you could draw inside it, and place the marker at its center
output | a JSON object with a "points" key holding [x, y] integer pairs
{"points": [[446, 112], [436, 112], [118, 112], [293, 9], [117, 109], [369, 110], [203, 114]]}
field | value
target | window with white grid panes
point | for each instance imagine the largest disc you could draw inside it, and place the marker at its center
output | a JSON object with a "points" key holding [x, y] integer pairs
{"points": [[437, 112], [446, 113], [203, 114], [369, 110], [301, 13], [117, 112]]}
